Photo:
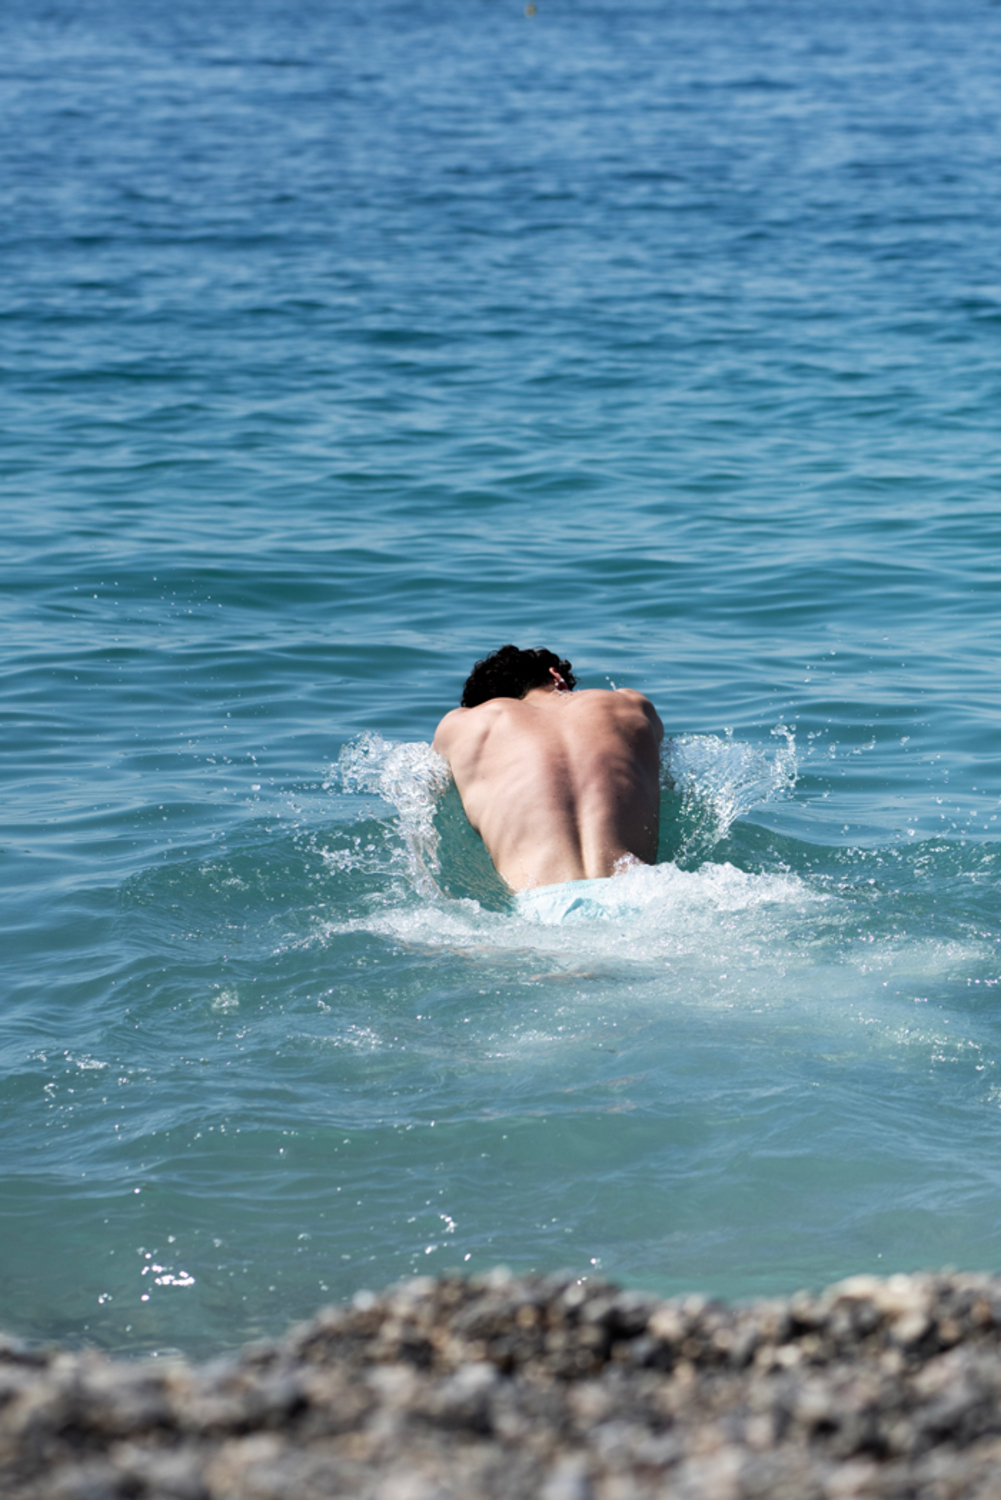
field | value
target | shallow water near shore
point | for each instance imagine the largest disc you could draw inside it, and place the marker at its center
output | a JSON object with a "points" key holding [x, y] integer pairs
{"points": [[343, 347]]}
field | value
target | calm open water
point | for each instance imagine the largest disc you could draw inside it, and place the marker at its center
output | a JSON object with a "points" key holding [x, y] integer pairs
{"points": [[342, 343]]}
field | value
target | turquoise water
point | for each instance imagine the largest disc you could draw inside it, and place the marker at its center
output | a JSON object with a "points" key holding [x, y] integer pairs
{"points": [[342, 344]]}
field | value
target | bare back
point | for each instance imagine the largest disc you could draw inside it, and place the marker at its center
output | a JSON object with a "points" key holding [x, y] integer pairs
{"points": [[560, 786]]}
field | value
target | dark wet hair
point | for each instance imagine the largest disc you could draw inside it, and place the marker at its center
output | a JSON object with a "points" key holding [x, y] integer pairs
{"points": [[510, 673]]}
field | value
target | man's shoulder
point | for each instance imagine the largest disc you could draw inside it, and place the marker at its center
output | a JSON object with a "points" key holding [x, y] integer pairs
{"points": [[460, 722], [449, 726], [623, 705], [613, 698]]}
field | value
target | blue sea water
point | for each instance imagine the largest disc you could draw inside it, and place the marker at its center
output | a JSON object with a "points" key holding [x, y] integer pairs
{"points": [[341, 343]]}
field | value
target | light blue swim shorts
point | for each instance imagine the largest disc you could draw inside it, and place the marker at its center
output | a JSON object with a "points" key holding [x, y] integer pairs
{"points": [[571, 901]]}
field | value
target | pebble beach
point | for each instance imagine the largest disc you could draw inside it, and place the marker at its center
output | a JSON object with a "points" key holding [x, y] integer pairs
{"points": [[501, 1388]]}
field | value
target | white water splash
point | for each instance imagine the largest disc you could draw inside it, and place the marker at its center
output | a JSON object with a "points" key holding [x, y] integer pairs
{"points": [[721, 779], [412, 777], [652, 910]]}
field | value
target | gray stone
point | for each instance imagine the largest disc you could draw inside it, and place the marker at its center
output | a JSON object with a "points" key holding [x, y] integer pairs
{"points": [[502, 1388]]}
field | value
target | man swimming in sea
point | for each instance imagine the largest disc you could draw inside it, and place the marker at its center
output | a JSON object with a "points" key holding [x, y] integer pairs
{"points": [[561, 786]]}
